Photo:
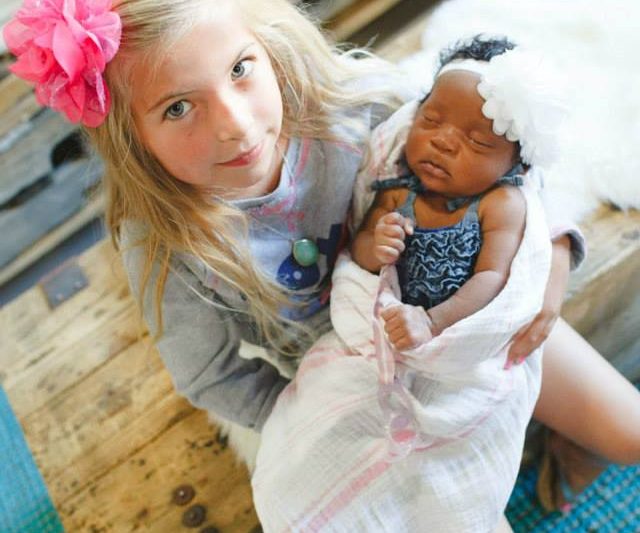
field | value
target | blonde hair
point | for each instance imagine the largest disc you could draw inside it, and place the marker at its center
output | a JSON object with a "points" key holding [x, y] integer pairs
{"points": [[316, 82]]}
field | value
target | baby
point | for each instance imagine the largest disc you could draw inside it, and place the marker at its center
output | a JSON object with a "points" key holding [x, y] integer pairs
{"points": [[454, 220]]}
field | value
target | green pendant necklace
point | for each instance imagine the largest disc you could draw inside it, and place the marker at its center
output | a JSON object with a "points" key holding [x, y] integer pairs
{"points": [[305, 252]]}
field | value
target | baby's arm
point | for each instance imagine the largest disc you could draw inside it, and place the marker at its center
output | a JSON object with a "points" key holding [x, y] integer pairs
{"points": [[502, 214], [380, 239]]}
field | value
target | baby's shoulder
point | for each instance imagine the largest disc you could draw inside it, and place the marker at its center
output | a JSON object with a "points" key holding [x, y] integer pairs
{"points": [[504, 203], [504, 196]]}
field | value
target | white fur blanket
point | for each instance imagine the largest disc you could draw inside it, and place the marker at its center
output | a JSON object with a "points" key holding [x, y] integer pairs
{"points": [[368, 439], [594, 45]]}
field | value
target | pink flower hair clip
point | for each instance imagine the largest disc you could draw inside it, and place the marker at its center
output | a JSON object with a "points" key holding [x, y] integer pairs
{"points": [[63, 47]]}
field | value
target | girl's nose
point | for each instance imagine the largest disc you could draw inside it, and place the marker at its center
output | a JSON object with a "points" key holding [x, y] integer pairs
{"points": [[231, 118], [445, 140]]}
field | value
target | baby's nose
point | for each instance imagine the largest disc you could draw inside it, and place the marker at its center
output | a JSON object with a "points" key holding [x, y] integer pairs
{"points": [[445, 140]]}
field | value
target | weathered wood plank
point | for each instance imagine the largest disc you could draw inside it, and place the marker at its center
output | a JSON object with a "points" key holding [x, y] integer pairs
{"points": [[70, 356], [406, 42], [137, 493], [27, 157], [61, 196], [15, 119], [12, 91], [618, 338], [325, 9], [107, 429], [609, 282], [86, 448], [92, 210], [68, 426], [357, 15], [30, 327]]}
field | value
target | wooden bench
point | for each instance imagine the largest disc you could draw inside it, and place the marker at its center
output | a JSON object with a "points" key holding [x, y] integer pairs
{"points": [[112, 439]]}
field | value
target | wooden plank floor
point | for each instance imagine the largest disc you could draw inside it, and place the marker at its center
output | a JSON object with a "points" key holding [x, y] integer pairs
{"points": [[113, 440]]}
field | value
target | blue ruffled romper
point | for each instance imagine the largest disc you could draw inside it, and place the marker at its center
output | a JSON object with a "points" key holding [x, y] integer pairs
{"points": [[436, 262]]}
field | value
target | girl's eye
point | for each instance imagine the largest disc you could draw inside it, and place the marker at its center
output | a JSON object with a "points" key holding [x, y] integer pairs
{"points": [[241, 69], [177, 110]]}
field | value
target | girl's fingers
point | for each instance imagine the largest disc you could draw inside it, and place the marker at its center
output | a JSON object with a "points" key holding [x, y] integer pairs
{"points": [[527, 339]]}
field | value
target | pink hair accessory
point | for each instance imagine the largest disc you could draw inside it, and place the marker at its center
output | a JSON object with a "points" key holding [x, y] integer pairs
{"points": [[63, 46]]}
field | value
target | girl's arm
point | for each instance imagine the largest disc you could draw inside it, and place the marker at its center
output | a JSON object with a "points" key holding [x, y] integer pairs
{"points": [[200, 349], [532, 335], [502, 214]]}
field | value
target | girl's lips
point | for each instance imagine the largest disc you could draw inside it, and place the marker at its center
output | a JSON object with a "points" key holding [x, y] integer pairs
{"points": [[434, 170], [245, 158]]}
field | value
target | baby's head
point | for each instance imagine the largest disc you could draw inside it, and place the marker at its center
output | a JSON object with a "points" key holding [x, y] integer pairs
{"points": [[484, 116], [452, 146]]}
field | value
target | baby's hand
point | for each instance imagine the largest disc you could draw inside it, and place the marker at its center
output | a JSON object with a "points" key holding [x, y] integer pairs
{"points": [[407, 326], [388, 237]]}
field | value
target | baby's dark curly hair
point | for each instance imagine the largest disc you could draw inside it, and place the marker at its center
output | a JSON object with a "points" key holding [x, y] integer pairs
{"points": [[479, 47]]}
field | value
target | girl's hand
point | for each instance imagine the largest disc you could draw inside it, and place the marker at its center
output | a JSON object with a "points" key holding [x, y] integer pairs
{"points": [[406, 326], [532, 335], [388, 237]]}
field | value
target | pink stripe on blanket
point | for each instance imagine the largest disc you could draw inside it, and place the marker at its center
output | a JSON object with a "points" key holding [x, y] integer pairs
{"points": [[345, 496]]}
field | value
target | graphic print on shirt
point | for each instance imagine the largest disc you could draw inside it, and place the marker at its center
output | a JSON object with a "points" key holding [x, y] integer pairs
{"points": [[296, 277]]}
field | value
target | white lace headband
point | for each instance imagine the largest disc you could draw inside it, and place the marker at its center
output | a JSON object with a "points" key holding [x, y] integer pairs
{"points": [[523, 99]]}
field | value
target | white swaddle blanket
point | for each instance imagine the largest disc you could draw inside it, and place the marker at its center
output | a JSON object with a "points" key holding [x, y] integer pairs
{"points": [[368, 439]]}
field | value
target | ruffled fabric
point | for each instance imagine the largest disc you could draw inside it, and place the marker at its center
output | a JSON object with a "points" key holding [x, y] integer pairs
{"points": [[524, 101], [63, 47]]}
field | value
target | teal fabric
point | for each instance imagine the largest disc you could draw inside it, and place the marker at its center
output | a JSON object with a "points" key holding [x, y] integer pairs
{"points": [[25, 506], [611, 504]]}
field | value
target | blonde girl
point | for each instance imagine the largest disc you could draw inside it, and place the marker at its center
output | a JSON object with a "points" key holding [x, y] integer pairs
{"points": [[231, 133]]}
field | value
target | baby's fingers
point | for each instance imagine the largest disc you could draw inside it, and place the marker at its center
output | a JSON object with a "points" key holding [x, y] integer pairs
{"points": [[386, 254], [390, 312], [390, 231]]}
